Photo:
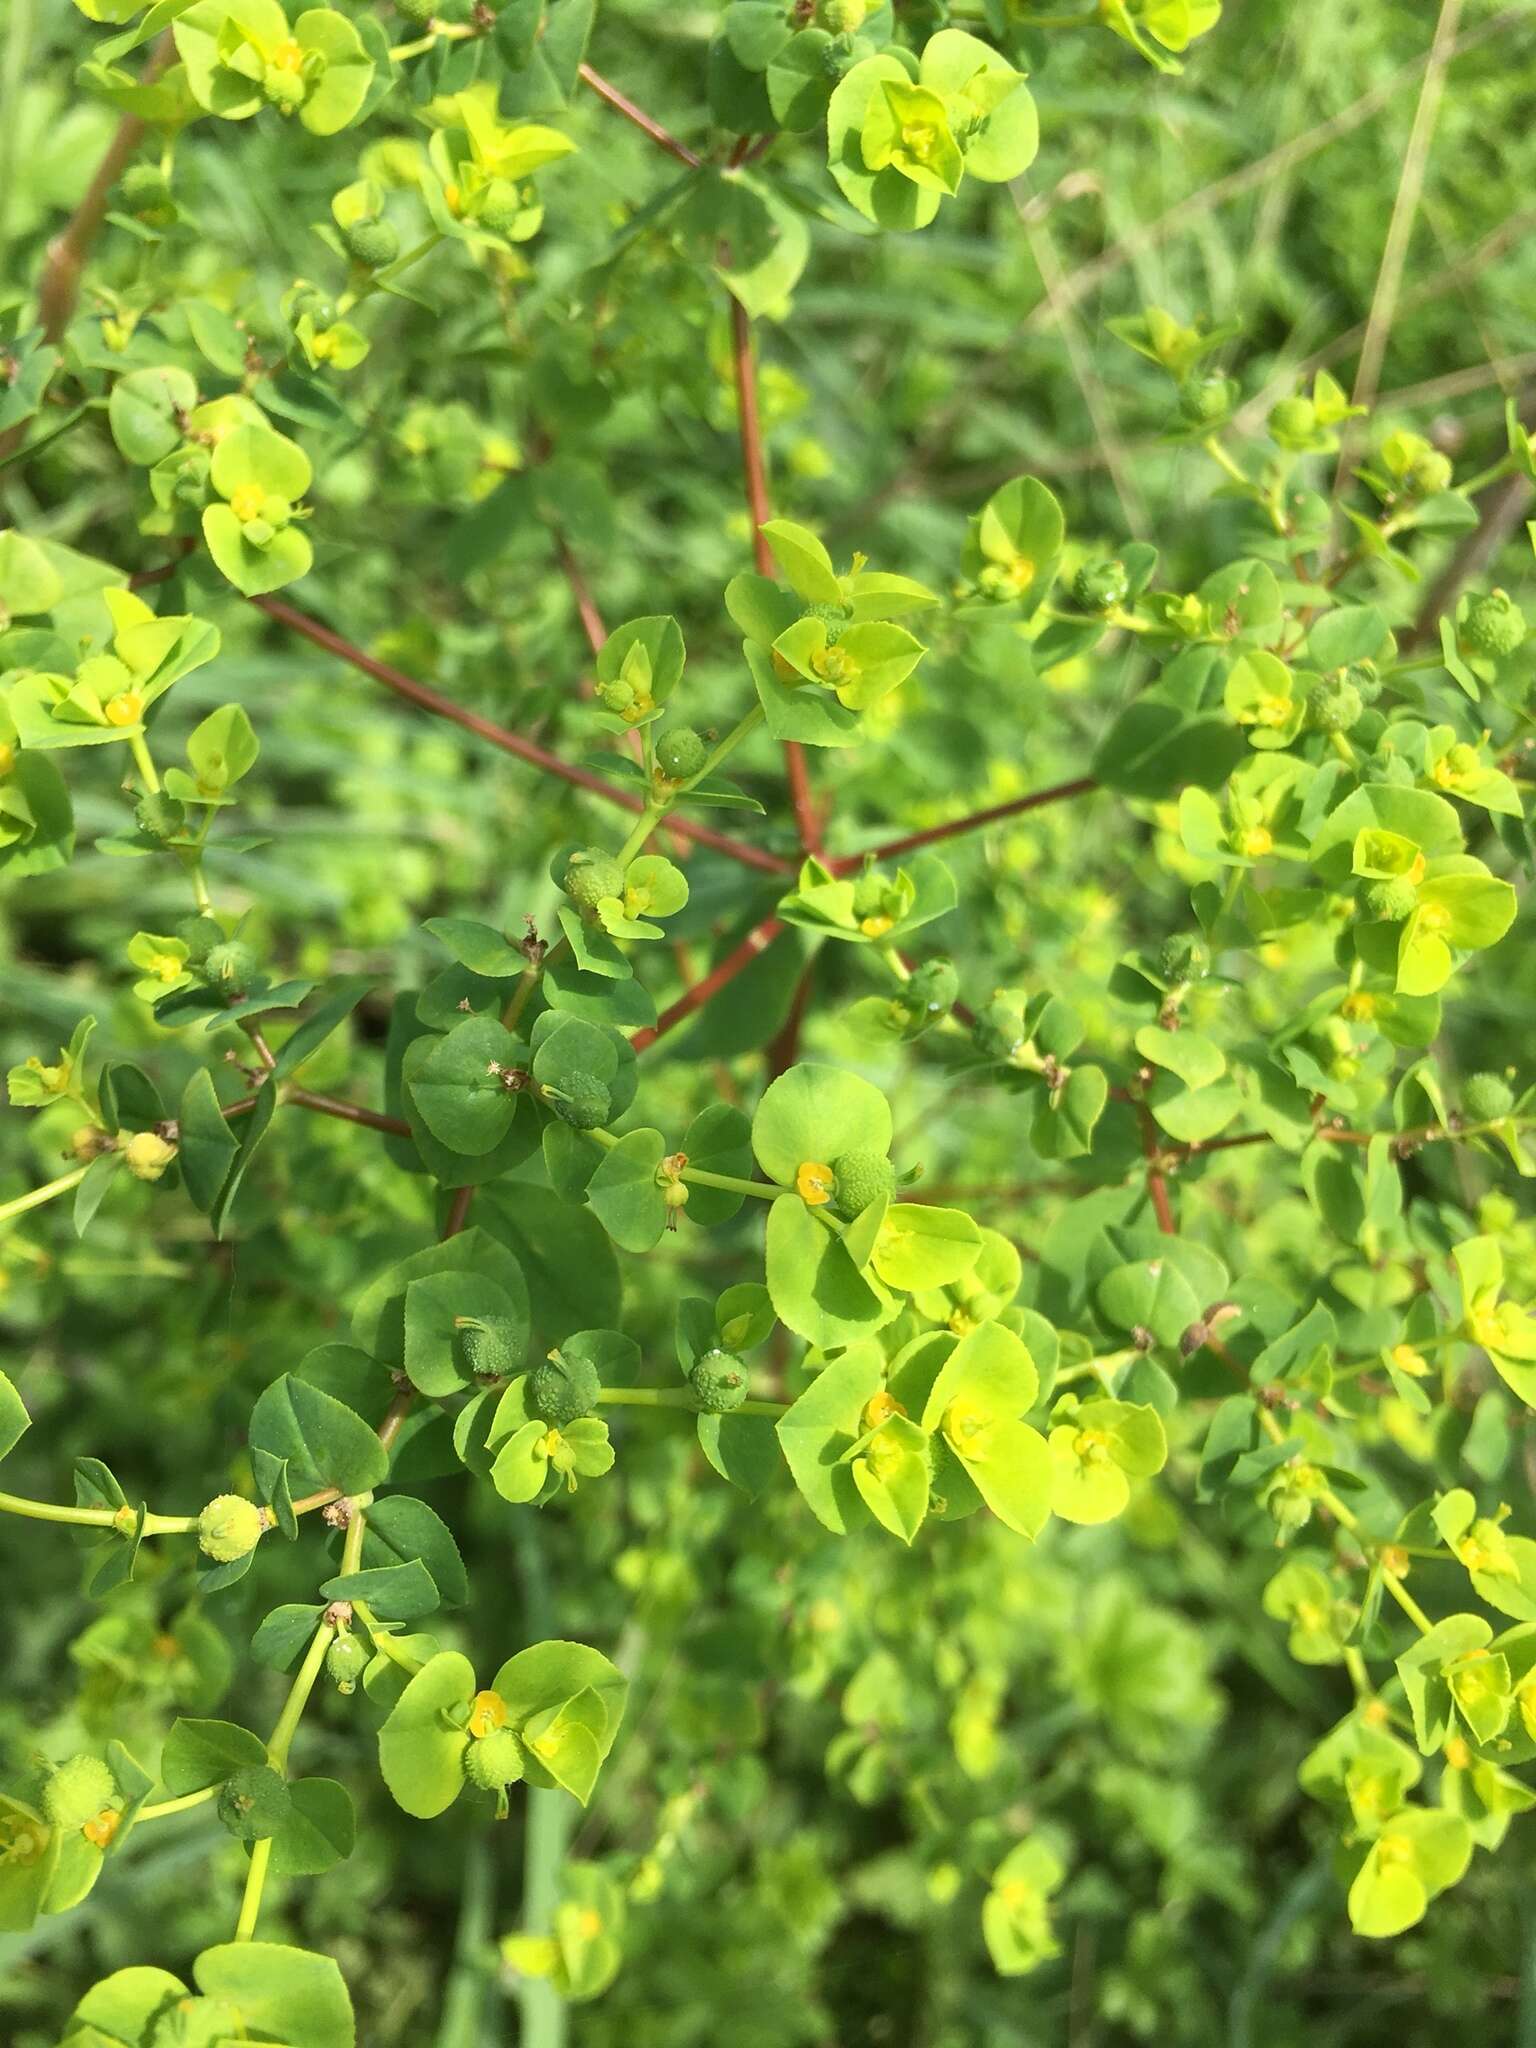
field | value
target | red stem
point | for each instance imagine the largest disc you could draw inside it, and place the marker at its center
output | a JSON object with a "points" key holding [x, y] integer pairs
{"points": [[458, 1212], [785, 1049], [427, 699], [757, 940], [1035, 801], [1157, 1185], [326, 1105], [642, 120], [591, 618]]}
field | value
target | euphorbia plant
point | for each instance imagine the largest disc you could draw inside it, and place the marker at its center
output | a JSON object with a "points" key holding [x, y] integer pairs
{"points": [[1338, 791]]}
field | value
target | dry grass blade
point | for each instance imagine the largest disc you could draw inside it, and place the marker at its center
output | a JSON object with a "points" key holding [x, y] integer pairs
{"points": [[1405, 207]]}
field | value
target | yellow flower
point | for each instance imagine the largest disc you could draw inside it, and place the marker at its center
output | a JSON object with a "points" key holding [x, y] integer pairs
{"points": [[126, 708], [487, 1710], [814, 1183]]}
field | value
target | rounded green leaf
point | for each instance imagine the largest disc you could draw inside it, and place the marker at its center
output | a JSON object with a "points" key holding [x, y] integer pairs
{"points": [[920, 1246], [255, 571], [816, 1289], [284, 1994], [338, 94], [146, 410], [421, 1749], [817, 1113]]}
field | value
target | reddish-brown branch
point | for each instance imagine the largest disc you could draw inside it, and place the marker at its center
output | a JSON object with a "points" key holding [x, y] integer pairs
{"points": [[591, 618], [1157, 1184], [348, 1112], [59, 289], [399, 1408], [427, 699], [785, 1048], [621, 104], [757, 941], [1058, 793], [458, 1212], [755, 475], [326, 1105]]}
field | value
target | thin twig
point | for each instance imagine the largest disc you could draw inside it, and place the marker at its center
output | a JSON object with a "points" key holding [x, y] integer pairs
{"points": [[427, 699], [59, 288], [586, 609], [974, 822], [1157, 1184], [325, 1105], [621, 104], [757, 941]]}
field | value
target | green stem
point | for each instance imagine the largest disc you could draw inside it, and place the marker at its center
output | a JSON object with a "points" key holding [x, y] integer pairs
{"points": [[1408, 1604], [732, 740], [166, 1807], [95, 1518], [1359, 1677], [281, 1740], [255, 1885], [676, 1397], [303, 1685], [527, 982], [438, 32], [19, 1204], [53, 1511], [139, 749], [1484, 477], [766, 1191], [193, 863], [1223, 460], [383, 1638], [645, 825]]}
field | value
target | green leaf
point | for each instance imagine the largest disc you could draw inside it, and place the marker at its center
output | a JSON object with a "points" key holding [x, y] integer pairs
{"points": [[316, 1028], [548, 1675], [817, 1290], [145, 411], [800, 712], [14, 1419], [817, 1113], [201, 1753], [460, 1087], [1422, 1668], [325, 1443], [884, 195], [480, 947], [404, 1530], [421, 1749], [284, 1993], [989, 1367], [806, 565], [395, 1592], [818, 1429], [445, 1352], [625, 1195], [919, 1246], [283, 1633], [318, 1831]]}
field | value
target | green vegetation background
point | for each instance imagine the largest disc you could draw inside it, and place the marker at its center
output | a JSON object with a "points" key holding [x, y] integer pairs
{"points": [[831, 1741]]}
